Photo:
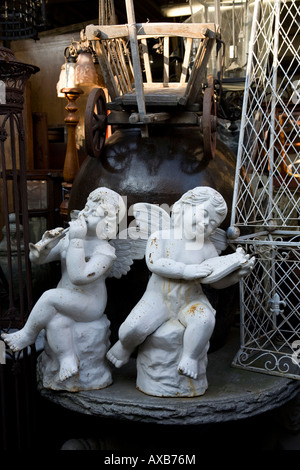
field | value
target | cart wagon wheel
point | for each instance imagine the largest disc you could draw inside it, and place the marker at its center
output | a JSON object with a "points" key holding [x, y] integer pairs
{"points": [[209, 123], [95, 122]]}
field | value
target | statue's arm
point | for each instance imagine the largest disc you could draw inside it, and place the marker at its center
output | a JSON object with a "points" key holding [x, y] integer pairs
{"points": [[82, 271], [164, 266], [158, 263]]}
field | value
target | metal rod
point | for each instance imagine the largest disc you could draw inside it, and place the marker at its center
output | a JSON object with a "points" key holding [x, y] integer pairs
{"points": [[3, 407], [6, 218], [243, 120], [233, 27], [218, 23], [17, 213], [192, 13], [25, 217], [101, 12], [273, 107]]}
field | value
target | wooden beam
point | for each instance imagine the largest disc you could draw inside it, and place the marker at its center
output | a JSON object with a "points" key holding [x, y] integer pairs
{"points": [[149, 118], [144, 30], [166, 60], [175, 118], [121, 55], [106, 70], [156, 94], [146, 60], [138, 78], [186, 60], [193, 30], [106, 32], [196, 80], [117, 66]]}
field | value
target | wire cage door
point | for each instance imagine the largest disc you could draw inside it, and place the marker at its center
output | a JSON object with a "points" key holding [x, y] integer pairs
{"points": [[265, 214]]}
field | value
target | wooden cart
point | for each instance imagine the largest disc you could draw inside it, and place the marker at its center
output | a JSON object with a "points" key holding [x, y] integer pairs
{"points": [[136, 99]]}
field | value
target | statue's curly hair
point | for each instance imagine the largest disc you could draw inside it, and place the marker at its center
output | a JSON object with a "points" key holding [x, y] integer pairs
{"points": [[201, 194], [111, 201]]}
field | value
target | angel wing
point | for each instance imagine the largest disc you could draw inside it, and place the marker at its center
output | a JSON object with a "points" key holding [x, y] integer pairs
{"points": [[219, 239], [149, 219], [127, 250], [130, 244]]}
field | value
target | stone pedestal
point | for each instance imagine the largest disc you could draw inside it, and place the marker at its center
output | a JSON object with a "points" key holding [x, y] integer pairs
{"points": [[233, 394], [91, 342], [157, 365]]}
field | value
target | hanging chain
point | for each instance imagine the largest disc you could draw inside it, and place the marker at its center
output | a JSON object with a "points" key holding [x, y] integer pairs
{"points": [[107, 12]]}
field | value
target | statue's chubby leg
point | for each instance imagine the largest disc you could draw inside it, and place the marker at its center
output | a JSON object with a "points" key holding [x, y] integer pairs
{"points": [[40, 315], [143, 320], [59, 335], [199, 320], [71, 303]]}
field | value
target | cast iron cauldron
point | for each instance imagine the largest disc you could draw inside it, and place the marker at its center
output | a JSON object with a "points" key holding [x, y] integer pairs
{"points": [[157, 169]]}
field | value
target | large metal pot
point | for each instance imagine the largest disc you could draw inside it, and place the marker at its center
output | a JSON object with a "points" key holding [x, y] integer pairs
{"points": [[158, 169]]}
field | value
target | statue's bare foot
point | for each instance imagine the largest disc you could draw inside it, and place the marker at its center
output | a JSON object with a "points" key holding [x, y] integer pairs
{"points": [[118, 354], [18, 340], [188, 367], [68, 367]]}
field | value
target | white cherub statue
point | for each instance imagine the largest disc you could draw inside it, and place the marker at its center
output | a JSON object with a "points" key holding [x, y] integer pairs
{"points": [[174, 320], [72, 315]]}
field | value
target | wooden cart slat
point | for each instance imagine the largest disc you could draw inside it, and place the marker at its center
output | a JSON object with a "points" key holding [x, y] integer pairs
{"points": [[144, 30], [124, 77], [156, 93]]}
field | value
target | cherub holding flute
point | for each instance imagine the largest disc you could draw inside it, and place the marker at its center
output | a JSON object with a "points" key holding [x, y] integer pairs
{"points": [[86, 260]]}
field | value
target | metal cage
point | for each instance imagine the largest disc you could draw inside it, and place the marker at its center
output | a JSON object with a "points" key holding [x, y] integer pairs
{"points": [[21, 19], [16, 370], [265, 214]]}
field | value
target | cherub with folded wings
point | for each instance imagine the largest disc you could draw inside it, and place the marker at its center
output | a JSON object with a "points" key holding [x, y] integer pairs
{"points": [[181, 256]]}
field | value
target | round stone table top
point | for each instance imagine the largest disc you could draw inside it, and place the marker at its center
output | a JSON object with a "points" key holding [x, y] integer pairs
{"points": [[232, 394]]}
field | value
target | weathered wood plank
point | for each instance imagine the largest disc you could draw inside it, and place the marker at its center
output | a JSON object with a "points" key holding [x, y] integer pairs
{"points": [[95, 32], [116, 67], [195, 83], [156, 94], [145, 53], [121, 55], [166, 60], [106, 70], [178, 118], [138, 78], [186, 60], [192, 30], [148, 118]]}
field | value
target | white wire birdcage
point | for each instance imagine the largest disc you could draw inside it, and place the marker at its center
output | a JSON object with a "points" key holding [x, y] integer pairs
{"points": [[265, 209]]}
